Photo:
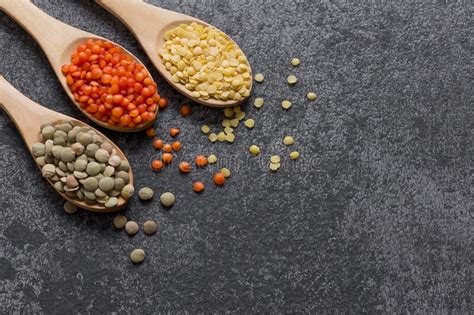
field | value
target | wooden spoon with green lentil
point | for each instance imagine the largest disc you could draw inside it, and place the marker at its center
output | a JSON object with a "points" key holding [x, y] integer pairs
{"points": [[37, 123]]}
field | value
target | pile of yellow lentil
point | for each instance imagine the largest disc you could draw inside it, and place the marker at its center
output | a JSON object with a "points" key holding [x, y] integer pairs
{"points": [[206, 62]]}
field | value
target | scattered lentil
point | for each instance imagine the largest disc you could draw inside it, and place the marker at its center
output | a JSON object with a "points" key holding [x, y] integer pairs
{"points": [[255, 150], [225, 171], [137, 255], [198, 186], [149, 227], [185, 110], [205, 129], [201, 161], [212, 137], [70, 208], [258, 102], [294, 155], [184, 167], [292, 80], [288, 140], [167, 199], [167, 157], [275, 159], [174, 132], [150, 132], [249, 123], [157, 165], [131, 227], [295, 62], [286, 104], [145, 193], [312, 96], [219, 179], [158, 144], [259, 78], [120, 221]]}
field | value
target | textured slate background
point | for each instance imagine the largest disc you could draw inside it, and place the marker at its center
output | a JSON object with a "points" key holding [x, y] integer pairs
{"points": [[377, 215]]}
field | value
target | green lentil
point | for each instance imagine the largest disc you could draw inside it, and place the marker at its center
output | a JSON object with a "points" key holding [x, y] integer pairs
{"points": [[91, 149], [145, 193], [120, 221], [38, 149], [131, 227], [90, 183], [167, 199], [102, 155], [106, 184], [127, 191], [149, 227], [111, 202], [93, 168], [48, 170], [137, 255], [70, 208]]}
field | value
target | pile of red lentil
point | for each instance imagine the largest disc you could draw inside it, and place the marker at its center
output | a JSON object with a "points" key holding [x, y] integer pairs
{"points": [[111, 85]]}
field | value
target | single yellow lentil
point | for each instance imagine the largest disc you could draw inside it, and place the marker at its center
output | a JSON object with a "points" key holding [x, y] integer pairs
{"points": [[205, 129], [225, 171], [211, 159], [234, 122], [288, 140], [240, 115], [226, 123], [258, 102], [259, 77], [255, 150], [249, 123], [312, 96], [221, 136], [292, 80], [286, 104], [212, 137], [295, 62], [274, 166], [230, 137], [237, 109], [294, 155], [275, 159]]}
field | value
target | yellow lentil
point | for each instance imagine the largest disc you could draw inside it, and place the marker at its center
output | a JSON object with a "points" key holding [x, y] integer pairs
{"points": [[258, 102], [259, 77], [275, 159], [234, 122], [291, 80], [211, 159], [240, 115], [212, 137], [274, 166], [230, 137], [228, 130], [225, 171], [205, 129], [255, 150], [249, 123], [286, 104], [288, 140], [221, 136], [294, 155], [228, 112], [226, 123], [295, 62], [312, 96]]}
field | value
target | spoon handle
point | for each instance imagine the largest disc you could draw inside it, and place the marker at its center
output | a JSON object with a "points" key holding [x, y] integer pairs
{"points": [[52, 35], [26, 114]]}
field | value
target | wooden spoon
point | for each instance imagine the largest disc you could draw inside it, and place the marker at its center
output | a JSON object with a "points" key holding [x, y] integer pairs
{"points": [[28, 116], [58, 41], [149, 23]]}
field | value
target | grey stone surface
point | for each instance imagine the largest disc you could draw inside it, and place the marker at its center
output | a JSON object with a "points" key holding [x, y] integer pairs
{"points": [[377, 215]]}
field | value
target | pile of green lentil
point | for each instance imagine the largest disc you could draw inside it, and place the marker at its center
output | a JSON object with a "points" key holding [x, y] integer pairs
{"points": [[81, 164]]}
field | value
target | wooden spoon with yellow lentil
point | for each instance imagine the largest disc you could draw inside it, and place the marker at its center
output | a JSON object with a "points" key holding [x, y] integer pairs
{"points": [[198, 60]]}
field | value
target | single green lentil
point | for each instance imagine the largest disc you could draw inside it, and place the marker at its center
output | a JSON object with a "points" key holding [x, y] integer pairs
{"points": [[137, 255], [145, 193], [167, 199], [93, 168], [38, 149], [149, 227], [120, 221], [106, 184], [70, 208], [131, 227], [102, 155]]}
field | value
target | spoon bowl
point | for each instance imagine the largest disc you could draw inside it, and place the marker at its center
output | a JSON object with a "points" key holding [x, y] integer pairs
{"points": [[150, 34], [58, 41], [28, 116]]}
